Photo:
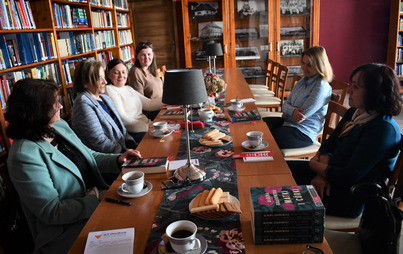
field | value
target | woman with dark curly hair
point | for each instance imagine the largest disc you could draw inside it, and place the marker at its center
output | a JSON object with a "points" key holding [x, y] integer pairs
{"points": [[362, 148], [58, 179]]}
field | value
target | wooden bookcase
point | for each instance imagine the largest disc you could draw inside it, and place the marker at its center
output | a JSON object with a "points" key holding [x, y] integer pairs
{"points": [[45, 18], [395, 44], [252, 31]]}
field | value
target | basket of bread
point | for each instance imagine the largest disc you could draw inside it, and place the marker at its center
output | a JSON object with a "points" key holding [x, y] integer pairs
{"points": [[215, 138], [214, 204]]}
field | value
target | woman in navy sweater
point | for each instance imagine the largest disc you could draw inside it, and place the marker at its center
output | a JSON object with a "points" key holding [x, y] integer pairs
{"points": [[363, 147]]}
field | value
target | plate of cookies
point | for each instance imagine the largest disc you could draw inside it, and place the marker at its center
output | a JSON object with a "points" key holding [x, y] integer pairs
{"points": [[215, 138], [214, 204]]}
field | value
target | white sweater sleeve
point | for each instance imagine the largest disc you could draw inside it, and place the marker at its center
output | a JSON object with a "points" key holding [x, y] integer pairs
{"points": [[131, 114]]}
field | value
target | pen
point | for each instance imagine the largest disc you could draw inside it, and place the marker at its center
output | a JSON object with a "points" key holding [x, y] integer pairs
{"points": [[118, 201]]}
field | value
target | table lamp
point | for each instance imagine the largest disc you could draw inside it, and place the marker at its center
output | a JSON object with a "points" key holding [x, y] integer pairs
{"points": [[212, 51], [185, 87]]}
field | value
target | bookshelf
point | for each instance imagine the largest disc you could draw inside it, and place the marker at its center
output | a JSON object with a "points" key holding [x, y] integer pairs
{"points": [[47, 38], [395, 44]]}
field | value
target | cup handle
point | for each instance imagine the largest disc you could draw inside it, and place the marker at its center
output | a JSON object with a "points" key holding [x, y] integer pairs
{"points": [[197, 245], [124, 188]]}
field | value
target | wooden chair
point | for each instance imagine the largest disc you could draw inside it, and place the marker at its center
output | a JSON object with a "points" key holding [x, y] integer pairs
{"points": [[280, 80], [339, 87], [161, 72], [294, 81], [334, 109], [351, 224], [268, 86]]}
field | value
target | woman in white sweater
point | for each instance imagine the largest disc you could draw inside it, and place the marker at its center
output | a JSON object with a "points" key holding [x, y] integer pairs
{"points": [[128, 102]]}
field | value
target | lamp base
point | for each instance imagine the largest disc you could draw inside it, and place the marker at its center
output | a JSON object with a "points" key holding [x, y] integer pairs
{"points": [[190, 171]]}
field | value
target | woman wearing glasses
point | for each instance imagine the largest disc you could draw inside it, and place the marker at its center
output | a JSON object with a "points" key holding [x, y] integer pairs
{"points": [[94, 117], [143, 77], [128, 102]]}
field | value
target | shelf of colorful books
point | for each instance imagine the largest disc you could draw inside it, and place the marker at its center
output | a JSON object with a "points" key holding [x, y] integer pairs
{"points": [[18, 49], [70, 15], [16, 14]]}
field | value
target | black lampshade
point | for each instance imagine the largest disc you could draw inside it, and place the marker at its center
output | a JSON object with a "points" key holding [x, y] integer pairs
{"points": [[214, 49], [184, 87]]}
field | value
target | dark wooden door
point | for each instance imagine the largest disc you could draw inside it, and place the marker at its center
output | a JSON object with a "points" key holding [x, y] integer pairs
{"points": [[155, 21]]}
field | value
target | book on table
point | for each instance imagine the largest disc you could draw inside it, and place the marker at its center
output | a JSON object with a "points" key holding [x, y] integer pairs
{"points": [[172, 114], [147, 165], [248, 115], [286, 214]]}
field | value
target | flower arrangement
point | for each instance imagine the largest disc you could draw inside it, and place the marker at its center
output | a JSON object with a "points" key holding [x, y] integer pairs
{"points": [[214, 84]]}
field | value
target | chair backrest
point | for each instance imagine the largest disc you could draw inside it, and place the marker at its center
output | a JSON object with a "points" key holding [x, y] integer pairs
{"points": [[339, 88], [295, 80], [394, 175], [161, 72], [280, 77], [333, 109], [269, 74]]}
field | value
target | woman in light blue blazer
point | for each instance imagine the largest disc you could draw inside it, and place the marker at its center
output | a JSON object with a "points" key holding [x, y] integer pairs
{"points": [[94, 117], [56, 176]]}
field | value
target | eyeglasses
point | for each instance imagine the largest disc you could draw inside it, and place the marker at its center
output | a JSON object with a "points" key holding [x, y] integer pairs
{"points": [[312, 250], [173, 183]]}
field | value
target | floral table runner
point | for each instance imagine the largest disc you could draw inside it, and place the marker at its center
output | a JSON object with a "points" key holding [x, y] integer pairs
{"points": [[224, 235]]}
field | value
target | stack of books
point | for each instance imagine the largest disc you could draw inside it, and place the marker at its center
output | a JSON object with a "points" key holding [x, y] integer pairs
{"points": [[286, 214], [246, 115]]}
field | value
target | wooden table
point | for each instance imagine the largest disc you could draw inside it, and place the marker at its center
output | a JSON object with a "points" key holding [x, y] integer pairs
{"points": [[141, 215]]}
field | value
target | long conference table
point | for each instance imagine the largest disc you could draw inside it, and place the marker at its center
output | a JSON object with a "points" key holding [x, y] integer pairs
{"points": [[141, 214]]}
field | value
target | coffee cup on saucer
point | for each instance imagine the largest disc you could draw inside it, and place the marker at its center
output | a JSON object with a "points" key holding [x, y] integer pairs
{"points": [[159, 127], [255, 138], [182, 236], [236, 104], [134, 181], [206, 114]]}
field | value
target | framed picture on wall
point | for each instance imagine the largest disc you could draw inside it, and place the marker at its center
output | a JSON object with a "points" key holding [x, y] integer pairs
{"points": [[252, 72], [292, 31], [294, 69], [293, 7], [210, 30], [246, 33], [250, 7], [204, 10], [291, 48], [246, 53]]}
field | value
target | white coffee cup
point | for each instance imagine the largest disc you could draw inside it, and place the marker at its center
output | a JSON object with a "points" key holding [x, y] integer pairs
{"points": [[206, 114], [182, 236], [254, 138], [236, 104], [159, 127], [134, 181]]}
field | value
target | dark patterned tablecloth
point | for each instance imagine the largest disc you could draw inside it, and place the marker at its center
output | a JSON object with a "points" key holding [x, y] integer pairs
{"points": [[224, 235]]}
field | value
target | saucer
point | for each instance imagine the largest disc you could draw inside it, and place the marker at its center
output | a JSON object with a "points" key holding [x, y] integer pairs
{"points": [[143, 192], [162, 249], [230, 108], [262, 146], [162, 135]]}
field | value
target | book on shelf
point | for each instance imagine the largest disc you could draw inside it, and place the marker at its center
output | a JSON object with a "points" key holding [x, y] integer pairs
{"points": [[248, 115], [147, 165], [6, 55], [172, 114]]}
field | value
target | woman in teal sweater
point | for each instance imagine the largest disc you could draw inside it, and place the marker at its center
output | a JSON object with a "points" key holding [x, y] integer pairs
{"points": [[363, 147], [56, 176]]}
